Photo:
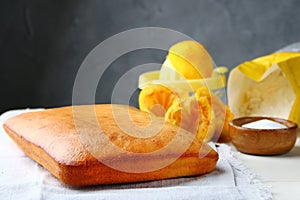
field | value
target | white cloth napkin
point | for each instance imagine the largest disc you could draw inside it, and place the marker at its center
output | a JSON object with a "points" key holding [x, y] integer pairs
{"points": [[22, 178]]}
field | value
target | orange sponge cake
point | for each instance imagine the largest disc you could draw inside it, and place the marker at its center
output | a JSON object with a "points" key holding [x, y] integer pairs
{"points": [[120, 148]]}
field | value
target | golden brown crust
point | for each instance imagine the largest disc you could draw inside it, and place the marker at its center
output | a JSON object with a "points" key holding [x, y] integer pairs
{"points": [[56, 138]]}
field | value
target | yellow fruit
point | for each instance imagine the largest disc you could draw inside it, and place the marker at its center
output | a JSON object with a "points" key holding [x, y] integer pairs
{"points": [[184, 113], [267, 86], [186, 62], [207, 126], [190, 60], [194, 115], [222, 115], [156, 99]]}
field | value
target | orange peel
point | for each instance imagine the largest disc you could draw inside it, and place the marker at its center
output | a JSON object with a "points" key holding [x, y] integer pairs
{"points": [[191, 60], [184, 113], [156, 99], [222, 113], [194, 114]]}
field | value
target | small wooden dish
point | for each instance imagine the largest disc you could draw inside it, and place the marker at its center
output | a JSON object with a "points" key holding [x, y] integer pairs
{"points": [[263, 141]]}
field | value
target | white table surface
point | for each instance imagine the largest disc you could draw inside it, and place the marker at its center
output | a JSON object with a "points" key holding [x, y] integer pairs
{"points": [[281, 172]]}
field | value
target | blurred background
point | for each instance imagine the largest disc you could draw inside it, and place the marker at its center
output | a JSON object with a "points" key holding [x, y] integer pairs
{"points": [[43, 43]]}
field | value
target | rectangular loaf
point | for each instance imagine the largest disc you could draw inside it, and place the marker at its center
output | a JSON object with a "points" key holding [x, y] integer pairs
{"points": [[108, 144]]}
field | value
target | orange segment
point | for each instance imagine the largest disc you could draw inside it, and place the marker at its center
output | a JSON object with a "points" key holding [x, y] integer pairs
{"points": [[191, 60], [156, 99]]}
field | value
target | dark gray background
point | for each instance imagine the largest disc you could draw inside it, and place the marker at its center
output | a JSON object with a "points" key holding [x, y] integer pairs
{"points": [[44, 42]]}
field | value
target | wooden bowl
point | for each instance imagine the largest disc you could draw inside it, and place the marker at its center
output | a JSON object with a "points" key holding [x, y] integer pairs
{"points": [[262, 141]]}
